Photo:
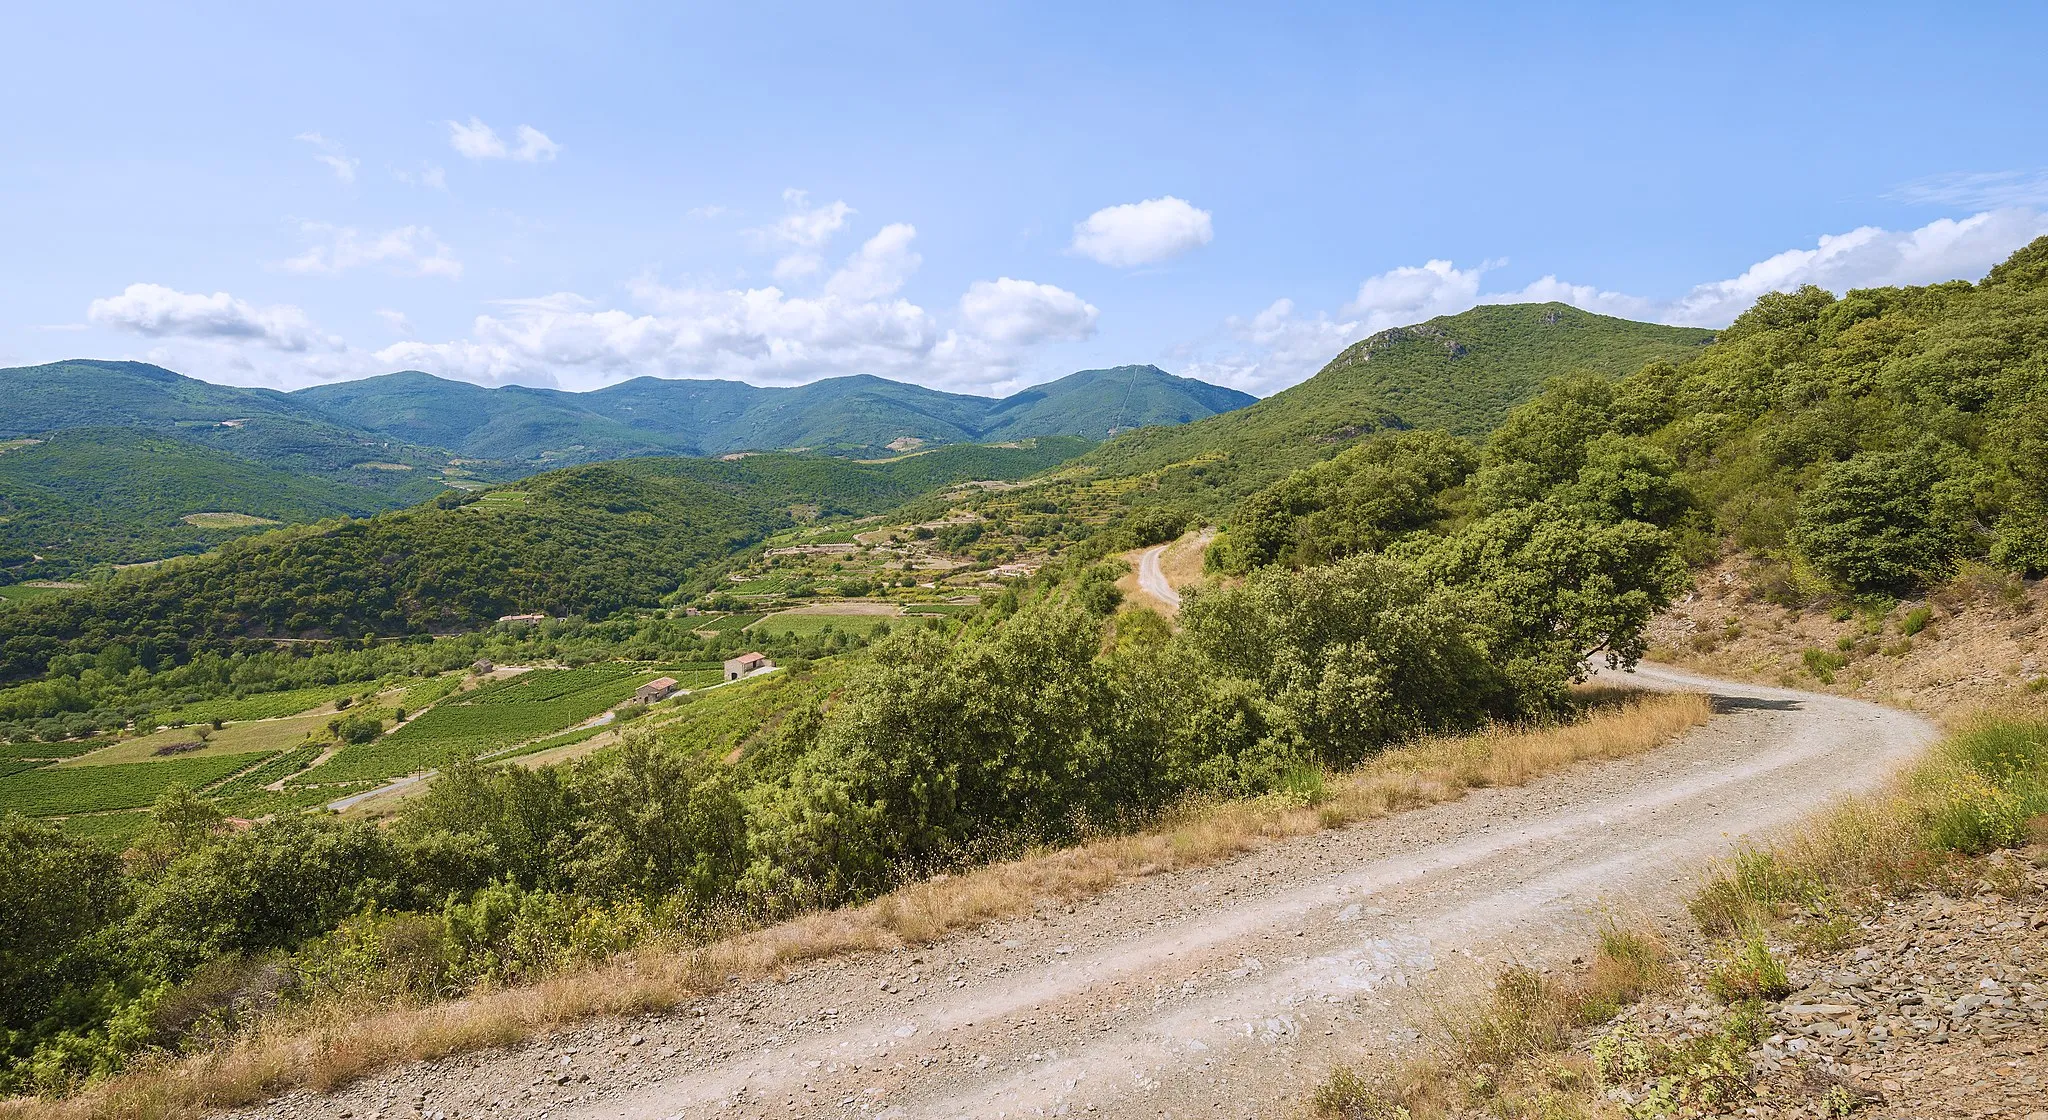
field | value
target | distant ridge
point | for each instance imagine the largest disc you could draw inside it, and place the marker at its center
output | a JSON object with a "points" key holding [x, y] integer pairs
{"points": [[527, 428]]}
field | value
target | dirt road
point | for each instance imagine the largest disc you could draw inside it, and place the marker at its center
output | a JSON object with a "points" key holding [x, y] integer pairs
{"points": [[1227, 991], [1152, 580]]}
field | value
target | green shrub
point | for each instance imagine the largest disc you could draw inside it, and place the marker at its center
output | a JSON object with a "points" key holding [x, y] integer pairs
{"points": [[1749, 971]]}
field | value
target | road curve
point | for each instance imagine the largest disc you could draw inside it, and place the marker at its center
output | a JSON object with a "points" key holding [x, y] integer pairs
{"points": [[1225, 991], [1152, 580]]}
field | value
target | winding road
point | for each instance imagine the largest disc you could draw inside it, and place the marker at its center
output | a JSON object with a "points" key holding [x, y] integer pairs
{"points": [[1152, 580], [1224, 991]]}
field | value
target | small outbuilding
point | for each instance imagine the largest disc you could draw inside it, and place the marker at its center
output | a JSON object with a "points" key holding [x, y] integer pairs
{"points": [[660, 688], [481, 666], [746, 665]]}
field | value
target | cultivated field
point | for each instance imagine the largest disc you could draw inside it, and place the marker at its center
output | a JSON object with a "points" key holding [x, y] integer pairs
{"points": [[88, 789], [493, 718]]}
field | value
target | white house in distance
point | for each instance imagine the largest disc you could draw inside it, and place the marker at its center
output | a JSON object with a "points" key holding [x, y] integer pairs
{"points": [[660, 688], [746, 665]]}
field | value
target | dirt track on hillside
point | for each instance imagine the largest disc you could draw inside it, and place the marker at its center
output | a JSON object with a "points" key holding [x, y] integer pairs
{"points": [[1225, 991]]}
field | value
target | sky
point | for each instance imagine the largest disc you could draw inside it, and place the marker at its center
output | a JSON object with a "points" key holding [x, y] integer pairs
{"points": [[974, 197]]}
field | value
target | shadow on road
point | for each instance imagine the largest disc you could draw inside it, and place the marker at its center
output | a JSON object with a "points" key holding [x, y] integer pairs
{"points": [[1725, 704]]}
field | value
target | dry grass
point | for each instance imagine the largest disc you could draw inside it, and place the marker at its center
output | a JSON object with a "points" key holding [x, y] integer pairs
{"points": [[1506, 1053], [328, 1046]]}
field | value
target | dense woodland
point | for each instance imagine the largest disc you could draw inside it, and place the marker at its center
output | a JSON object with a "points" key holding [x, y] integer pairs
{"points": [[1413, 580]]}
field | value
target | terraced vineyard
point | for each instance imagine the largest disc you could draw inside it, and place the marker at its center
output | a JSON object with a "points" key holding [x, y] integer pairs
{"points": [[90, 789], [492, 718]]}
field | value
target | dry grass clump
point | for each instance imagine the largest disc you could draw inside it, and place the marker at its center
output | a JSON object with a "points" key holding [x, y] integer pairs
{"points": [[1507, 1057], [1983, 789], [327, 1046]]}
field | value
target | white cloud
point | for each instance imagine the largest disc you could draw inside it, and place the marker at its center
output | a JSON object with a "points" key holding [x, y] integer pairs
{"points": [[1023, 313], [1410, 294], [412, 250], [857, 323], [1946, 249], [1142, 232], [155, 311], [429, 175], [477, 140], [534, 145], [802, 233], [1977, 190], [1278, 347], [880, 268], [396, 320], [333, 155]]}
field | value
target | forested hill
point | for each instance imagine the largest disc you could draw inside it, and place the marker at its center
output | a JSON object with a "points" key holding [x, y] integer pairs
{"points": [[651, 415], [90, 495], [1459, 372], [586, 541], [422, 420], [1866, 445]]}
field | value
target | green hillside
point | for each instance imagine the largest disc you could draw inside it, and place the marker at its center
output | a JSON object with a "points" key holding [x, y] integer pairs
{"points": [[1099, 403], [1867, 444], [112, 495], [586, 541], [260, 424], [511, 423], [1459, 372]]}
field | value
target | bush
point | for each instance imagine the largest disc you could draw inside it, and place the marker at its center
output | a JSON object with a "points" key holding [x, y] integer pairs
{"points": [[1749, 971], [1884, 521]]}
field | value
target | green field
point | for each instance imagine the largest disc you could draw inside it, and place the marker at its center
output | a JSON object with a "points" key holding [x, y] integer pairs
{"points": [[89, 789], [107, 828], [262, 705], [728, 623], [45, 751], [16, 593], [806, 625], [492, 718], [256, 736], [940, 608]]}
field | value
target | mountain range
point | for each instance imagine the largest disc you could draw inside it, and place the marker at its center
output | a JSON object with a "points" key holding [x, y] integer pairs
{"points": [[123, 462], [520, 429]]}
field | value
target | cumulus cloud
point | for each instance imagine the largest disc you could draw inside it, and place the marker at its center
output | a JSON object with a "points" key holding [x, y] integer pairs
{"points": [[479, 141], [333, 155], [1024, 313], [1280, 346], [801, 234], [396, 320], [1142, 232], [411, 250], [1867, 257], [881, 267], [155, 311], [856, 322]]}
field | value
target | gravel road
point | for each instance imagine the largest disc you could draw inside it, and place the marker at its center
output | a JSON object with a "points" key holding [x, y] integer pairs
{"points": [[1225, 991], [1152, 580]]}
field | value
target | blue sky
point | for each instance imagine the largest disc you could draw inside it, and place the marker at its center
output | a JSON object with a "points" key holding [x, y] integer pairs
{"points": [[971, 196]]}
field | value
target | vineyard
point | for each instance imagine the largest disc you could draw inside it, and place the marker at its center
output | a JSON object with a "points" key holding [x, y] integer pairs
{"points": [[725, 624], [88, 789], [796, 625], [262, 705], [492, 718]]}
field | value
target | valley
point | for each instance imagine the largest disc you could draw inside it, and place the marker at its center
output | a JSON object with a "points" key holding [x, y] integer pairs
{"points": [[1155, 769]]}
